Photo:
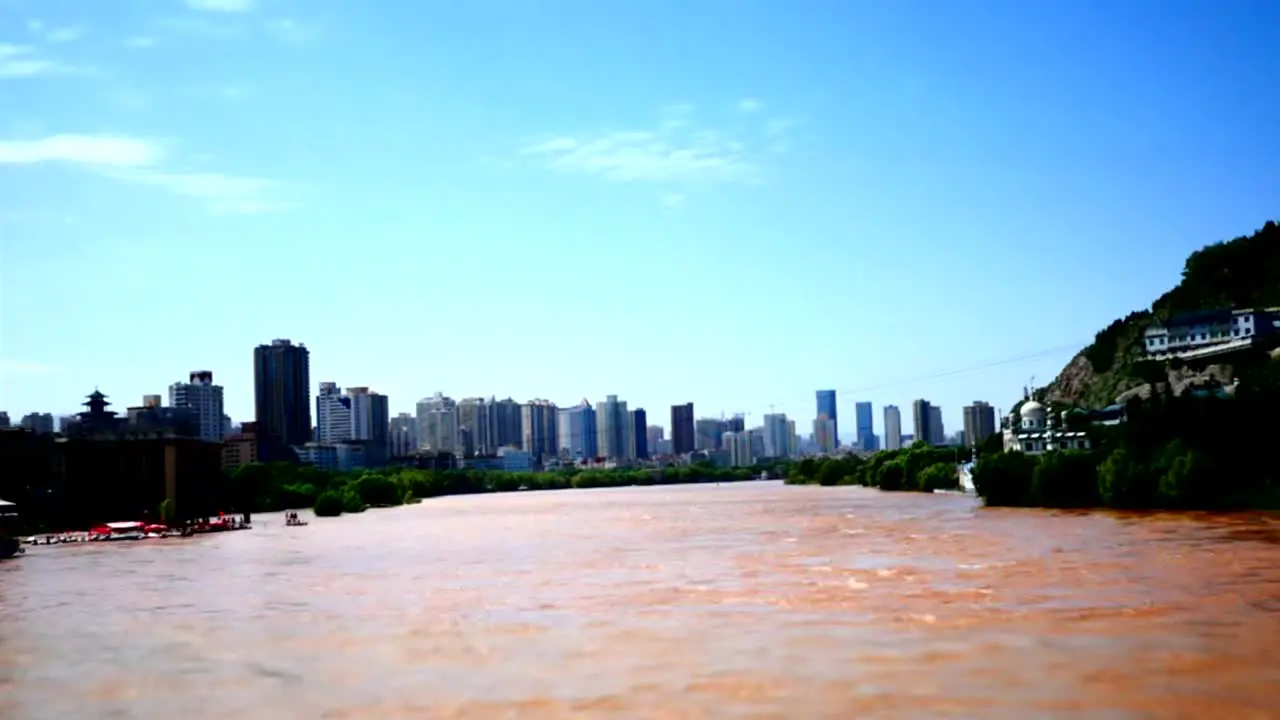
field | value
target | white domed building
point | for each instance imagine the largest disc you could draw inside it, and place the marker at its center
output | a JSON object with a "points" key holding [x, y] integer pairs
{"points": [[1034, 430]]}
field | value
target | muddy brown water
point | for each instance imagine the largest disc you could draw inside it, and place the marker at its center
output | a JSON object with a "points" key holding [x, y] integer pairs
{"points": [[719, 601]]}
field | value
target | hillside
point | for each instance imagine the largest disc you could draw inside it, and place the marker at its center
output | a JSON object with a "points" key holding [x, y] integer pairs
{"points": [[1239, 273]]}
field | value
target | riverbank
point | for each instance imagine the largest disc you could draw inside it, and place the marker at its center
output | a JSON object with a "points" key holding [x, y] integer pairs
{"points": [[283, 486]]}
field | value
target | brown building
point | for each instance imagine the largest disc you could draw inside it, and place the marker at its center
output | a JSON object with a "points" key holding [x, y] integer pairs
{"points": [[242, 448], [104, 471]]}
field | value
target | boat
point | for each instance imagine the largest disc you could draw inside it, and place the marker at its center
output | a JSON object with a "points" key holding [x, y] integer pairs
{"points": [[295, 523], [118, 531], [10, 546]]}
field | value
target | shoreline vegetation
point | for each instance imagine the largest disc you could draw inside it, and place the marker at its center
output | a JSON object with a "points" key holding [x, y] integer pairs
{"points": [[277, 487]]}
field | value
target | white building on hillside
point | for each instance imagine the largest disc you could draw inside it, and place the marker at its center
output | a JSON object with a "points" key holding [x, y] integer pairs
{"points": [[1210, 332]]}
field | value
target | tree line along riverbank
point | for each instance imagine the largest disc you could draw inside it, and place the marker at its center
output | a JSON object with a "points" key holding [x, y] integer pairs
{"points": [[285, 486]]}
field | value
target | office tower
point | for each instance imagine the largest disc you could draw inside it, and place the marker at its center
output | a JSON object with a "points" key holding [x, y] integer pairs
{"points": [[921, 417], [682, 432], [824, 434], [654, 436], [793, 440], [202, 398], [370, 415], [866, 434], [538, 429], [576, 435], [937, 436], [639, 426], [979, 422], [281, 398], [438, 424], [333, 414], [777, 442], [403, 432], [892, 428], [827, 407], [708, 433], [612, 419], [737, 424], [474, 427], [504, 423]]}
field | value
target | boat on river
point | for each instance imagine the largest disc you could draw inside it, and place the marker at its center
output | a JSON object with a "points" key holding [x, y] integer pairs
{"points": [[10, 546], [131, 530]]}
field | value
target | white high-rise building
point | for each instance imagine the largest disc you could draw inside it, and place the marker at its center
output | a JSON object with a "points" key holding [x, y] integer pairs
{"points": [[612, 438], [438, 424], [403, 434], [739, 446], [205, 398], [892, 428], [475, 427], [333, 415], [777, 439], [370, 414]]}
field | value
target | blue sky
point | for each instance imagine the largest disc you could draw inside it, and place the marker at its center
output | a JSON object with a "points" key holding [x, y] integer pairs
{"points": [[724, 201]]}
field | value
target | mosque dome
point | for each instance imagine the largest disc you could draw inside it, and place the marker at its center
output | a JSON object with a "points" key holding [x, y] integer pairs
{"points": [[1031, 409]]}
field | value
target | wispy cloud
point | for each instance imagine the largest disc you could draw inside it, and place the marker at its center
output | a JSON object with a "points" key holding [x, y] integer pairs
{"points": [[749, 105], [23, 367], [222, 6], [668, 155], [19, 61], [673, 201], [291, 31], [140, 42], [144, 162], [64, 35]]}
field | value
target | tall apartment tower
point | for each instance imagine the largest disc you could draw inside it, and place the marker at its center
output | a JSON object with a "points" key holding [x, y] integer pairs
{"points": [[403, 432], [370, 416], [979, 422], [892, 428], [682, 429], [922, 416], [612, 420], [866, 434], [201, 396], [438, 424], [827, 407], [777, 438], [538, 428], [504, 423], [333, 414], [937, 435], [281, 398], [640, 433], [475, 427]]}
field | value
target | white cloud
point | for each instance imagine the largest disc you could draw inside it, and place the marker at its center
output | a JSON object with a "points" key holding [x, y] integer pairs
{"points": [[140, 42], [673, 201], [142, 162], [63, 35], [647, 156], [749, 105], [222, 6], [95, 150], [17, 61], [291, 31]]}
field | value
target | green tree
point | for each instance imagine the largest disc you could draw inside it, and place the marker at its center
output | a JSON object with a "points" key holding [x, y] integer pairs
{"points": [[1123, 481], [1005, 479], [938, 476], [1065, 479]]}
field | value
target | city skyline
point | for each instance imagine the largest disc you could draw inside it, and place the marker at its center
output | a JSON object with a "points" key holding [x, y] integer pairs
{"points": [[570, 195]]}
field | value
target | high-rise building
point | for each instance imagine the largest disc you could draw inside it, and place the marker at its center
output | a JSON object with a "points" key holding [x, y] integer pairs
{"points": [[281, 398], [504, 423], [202, 398], [866, 434], [979, 422], [922, 417], [892, 428], [612, 419], [403, 432], [576, 435], [793, 440], [682, 430], [474, 426], [777, 441], [40, 423], [827, 406], [4, 419], [737, 424], [153, 401], [654, 435], [937, 436], [739, 446], [708, 433], [438, 424], [824, 434], [370, 415], [333, 414], [538, 429], [639, 431]]}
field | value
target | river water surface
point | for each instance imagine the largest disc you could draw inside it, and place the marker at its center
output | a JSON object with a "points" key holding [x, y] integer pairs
{"points": [[753, 600]]}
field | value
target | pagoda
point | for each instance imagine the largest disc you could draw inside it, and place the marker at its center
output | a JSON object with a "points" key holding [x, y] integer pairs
{"points": [[98, 417]]}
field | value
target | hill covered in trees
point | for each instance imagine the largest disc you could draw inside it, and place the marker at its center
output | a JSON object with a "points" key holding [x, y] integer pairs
{"points": [[1239, 273]]}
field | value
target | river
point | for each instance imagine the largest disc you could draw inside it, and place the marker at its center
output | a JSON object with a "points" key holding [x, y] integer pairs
{"points": [[752, 600]]}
